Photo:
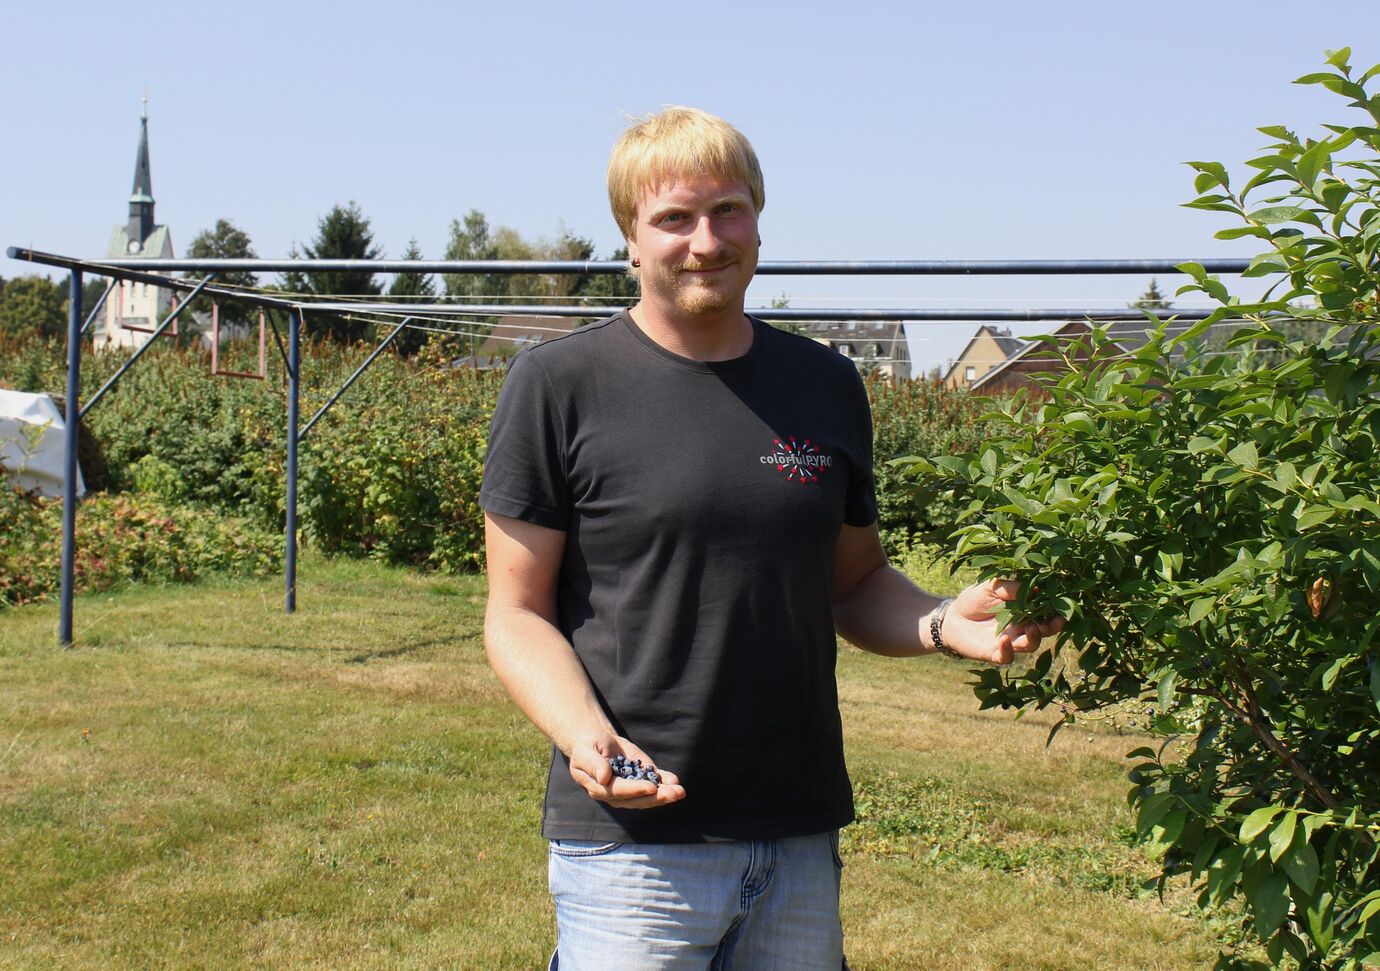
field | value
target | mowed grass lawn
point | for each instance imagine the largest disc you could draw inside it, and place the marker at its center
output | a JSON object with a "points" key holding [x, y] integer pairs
{"points": [[204, 781]]}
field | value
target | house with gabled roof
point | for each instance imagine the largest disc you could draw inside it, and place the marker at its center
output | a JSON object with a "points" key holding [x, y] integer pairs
{"points": [[987, 349], [875, 346], [1034, 357]]}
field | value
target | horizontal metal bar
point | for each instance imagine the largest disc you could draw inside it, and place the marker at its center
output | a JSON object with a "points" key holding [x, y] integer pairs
{"points": [[766, 313], [133, 276], [786, 268]]}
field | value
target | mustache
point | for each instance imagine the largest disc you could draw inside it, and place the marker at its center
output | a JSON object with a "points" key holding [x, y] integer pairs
{"points": [[697, 267]]}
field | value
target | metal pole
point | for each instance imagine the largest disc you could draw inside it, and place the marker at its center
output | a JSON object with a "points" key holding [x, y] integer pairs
{"points": [[294, 387], [352, 378], [91, 319], [69, 484], [587, 267], [139, 351]]}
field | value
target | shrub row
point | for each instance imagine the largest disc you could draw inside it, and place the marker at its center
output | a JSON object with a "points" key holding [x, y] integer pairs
{"points": [[393, 471], [122, 539]]}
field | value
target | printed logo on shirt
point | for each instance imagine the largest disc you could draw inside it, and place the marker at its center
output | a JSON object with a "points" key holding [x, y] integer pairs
{"points": [[798, 460]]}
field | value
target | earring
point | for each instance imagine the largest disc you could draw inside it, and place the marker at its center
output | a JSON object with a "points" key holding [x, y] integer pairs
{"points": [[759, 241], [636, 262]]}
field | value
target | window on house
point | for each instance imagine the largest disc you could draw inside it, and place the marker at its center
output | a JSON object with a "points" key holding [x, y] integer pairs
{"points": [[970, 374]]}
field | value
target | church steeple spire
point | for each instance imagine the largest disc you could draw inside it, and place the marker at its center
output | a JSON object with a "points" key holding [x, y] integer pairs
{"points": [[141, 198]]}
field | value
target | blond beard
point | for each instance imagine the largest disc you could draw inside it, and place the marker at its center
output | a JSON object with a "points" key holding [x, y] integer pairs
{"points": [[701, 300]]}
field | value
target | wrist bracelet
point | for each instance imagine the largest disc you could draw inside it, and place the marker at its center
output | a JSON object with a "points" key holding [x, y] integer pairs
{"points": [[937, 624]]}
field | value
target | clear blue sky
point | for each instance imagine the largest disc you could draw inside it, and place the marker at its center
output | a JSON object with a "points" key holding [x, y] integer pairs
{"points": [[889, 131]]}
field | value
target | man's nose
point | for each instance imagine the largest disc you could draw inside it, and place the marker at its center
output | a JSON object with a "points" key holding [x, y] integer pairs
{"points": [[704, 240]]}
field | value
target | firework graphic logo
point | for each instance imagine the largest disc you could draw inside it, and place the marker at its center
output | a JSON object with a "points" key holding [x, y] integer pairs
{"points": [[797, 459]]}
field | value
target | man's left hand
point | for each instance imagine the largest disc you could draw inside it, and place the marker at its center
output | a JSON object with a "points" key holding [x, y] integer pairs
{"points": [[970, 624]]}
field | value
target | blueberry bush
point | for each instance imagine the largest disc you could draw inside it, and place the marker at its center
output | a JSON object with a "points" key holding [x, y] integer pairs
{"points": [[1208, 523]]}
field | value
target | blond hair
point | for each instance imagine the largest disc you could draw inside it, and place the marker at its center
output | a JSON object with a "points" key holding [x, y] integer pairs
{"points": [[677, 142]]}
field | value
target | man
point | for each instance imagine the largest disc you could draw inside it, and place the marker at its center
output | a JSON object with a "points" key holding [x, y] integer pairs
{"points": [[680, 516]]}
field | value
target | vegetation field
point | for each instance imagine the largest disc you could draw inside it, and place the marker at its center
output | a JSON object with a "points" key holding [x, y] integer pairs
{"points": [[203, 781]]}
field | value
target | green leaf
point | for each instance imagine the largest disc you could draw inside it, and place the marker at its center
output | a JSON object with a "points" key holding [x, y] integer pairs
{"points": [[1236, 232], [1314, 516], [1245, 455], [1152, 810], [1282, 835], [1215, 173], [1195, 270], [1319, 917], [1339, 57], [1270, 901], [1302, 867], [1079, 421], [1169, 563], [1200, 608], [1197, 330], [1311, 163], [1281, 214], [1165, 690], [1335, 383], [1258, 821], [1224, 872], [1264, 264], [1166, 831], [1375, 681], [1206, 851], [1329, 677], [1370, 909]]}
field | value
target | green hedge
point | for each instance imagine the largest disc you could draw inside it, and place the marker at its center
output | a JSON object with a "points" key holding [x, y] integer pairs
{"points": [[393, 471]]}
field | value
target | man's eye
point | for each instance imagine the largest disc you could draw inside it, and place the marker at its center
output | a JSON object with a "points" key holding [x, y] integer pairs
{"points": [[671, 217]]}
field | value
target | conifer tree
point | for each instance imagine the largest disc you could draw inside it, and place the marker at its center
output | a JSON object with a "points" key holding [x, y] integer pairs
{"points": [[410, 288], [1153, 299], [343, 233]]}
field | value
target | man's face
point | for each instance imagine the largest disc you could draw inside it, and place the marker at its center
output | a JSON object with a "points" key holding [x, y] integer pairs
{"points": [[696, 239]]}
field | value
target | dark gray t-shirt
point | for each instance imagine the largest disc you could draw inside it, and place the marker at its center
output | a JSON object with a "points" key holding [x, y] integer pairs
{"points": [[701, 504]]}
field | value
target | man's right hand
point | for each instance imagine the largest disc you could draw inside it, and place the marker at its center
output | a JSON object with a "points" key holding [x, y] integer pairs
{"points": [[589, 767]]}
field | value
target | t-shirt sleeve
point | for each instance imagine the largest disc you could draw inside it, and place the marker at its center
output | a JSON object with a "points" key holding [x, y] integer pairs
{"points": [[860, 507], [524, 470]]}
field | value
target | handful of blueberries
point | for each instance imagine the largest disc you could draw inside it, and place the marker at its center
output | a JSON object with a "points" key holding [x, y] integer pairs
{"points": [[633, 770]]}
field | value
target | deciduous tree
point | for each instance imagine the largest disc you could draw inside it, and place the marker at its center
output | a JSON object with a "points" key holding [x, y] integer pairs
{"points": [[224, 240], [33, 304]]}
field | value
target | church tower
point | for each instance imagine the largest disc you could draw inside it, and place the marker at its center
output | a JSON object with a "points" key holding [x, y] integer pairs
{"points": [[134, 309]]}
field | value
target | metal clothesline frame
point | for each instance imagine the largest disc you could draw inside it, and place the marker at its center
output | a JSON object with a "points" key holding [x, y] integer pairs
{"points": [[151, 271]]}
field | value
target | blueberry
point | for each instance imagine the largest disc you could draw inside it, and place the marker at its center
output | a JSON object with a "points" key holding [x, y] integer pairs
{"points": [[634, 769]]}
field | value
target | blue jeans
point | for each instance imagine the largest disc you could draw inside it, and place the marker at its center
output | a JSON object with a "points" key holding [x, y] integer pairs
{"points": [[756, 905]]}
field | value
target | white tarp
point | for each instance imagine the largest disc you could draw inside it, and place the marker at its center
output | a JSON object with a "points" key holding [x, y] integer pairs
{"points": [[32, 442]]}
